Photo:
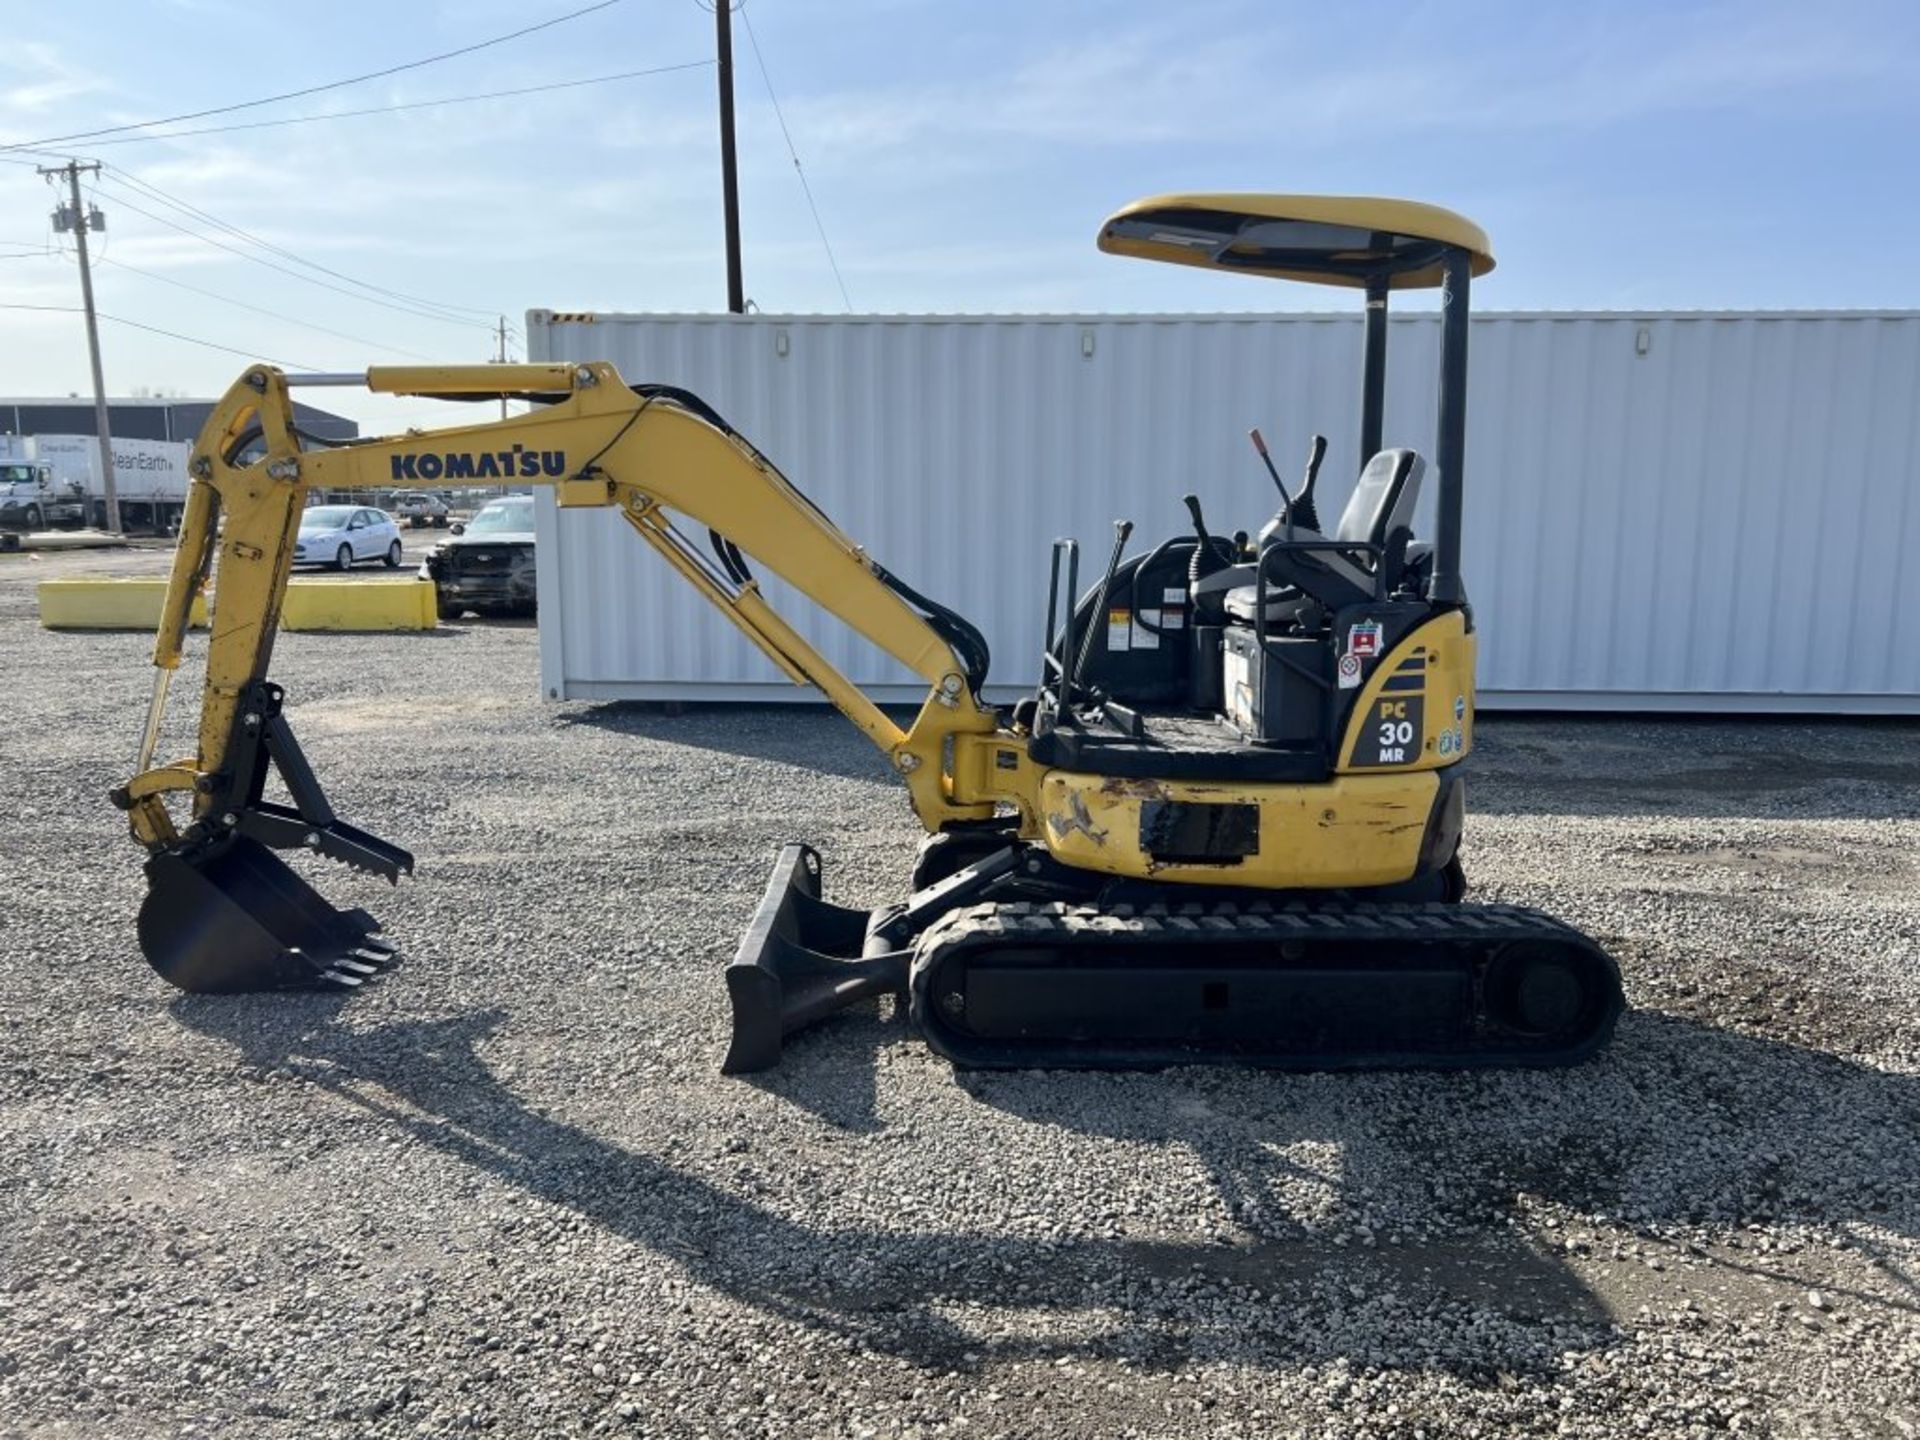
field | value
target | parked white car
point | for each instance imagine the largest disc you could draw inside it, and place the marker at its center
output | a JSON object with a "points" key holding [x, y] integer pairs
{"points": [[343, 535]]}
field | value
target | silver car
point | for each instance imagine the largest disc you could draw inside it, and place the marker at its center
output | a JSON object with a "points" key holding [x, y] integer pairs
{"points": [[343, 535]]}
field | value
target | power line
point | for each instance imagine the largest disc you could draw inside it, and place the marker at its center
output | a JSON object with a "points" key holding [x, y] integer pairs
{"points": [[414, 105], [284, 270], [318, 89], [170, 334], [419, 301], [262, 310], [805, 188]]}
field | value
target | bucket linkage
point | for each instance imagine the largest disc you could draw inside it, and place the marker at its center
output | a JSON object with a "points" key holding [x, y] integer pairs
{"points": [[225, 915]]}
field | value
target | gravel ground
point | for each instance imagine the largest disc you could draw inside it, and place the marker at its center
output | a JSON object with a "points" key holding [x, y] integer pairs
{"points": [[506, 1190]]}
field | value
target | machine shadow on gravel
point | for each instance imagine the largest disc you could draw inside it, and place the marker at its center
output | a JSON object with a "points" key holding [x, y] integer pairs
{"points": [[1679, 1122], [832, 1071], [1682, 1122]]}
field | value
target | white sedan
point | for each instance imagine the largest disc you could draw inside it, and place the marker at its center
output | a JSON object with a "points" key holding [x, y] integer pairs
{"points": [[340, 535]]}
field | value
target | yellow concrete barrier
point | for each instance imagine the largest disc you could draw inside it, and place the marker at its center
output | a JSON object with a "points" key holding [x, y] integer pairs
{"points": [[319, 604], [107, 604], [312, 604]]}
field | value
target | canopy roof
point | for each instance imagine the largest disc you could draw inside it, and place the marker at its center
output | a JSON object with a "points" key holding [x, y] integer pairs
{"points": [[1321, 239]]}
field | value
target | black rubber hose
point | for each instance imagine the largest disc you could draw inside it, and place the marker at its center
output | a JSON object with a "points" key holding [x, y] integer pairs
{"points": [[968, 643]]}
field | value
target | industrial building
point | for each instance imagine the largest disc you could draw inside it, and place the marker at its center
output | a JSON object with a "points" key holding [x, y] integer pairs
{"points": [[145, 418]]}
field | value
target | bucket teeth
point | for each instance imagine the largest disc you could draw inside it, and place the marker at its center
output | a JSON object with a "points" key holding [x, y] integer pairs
{"points": [[371, 957]]}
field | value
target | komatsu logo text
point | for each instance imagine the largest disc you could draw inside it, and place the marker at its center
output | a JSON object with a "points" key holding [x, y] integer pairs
{"points": [[519, 463]]}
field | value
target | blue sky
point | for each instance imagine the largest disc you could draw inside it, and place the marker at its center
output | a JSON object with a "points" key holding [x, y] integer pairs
{"points": [[1629, 155]]}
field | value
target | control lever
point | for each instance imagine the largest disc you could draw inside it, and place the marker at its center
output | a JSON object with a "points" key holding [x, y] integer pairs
{"points": [[1281, 525], [1212, 552], [1303, 509]]}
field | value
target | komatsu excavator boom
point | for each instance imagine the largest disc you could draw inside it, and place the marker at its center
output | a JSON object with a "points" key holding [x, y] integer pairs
{"points": [[1239, 844]]}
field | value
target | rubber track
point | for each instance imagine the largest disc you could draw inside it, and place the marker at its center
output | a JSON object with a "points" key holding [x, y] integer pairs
{"points": [[1485, 927]]}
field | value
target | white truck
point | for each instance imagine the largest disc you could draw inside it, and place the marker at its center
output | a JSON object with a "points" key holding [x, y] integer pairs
{"points": [[32, 499], [150, 476]]}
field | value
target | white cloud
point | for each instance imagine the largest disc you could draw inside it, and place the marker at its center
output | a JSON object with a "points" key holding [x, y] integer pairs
{"points": [[35, 78]]}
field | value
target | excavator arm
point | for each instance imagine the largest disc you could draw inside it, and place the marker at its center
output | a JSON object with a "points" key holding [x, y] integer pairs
{"points": [[222, 912]]}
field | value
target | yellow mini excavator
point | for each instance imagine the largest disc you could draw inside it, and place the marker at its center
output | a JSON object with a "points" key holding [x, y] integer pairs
{"points": [[1236, 843]]}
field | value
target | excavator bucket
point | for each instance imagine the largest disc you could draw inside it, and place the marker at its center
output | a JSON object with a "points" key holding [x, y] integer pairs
{"points": [[224, 914], [236, 918]]}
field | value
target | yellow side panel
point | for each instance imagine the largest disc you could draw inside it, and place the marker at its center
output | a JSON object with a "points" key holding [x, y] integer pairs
{"points": [[1416, 710], [1351, 830]]}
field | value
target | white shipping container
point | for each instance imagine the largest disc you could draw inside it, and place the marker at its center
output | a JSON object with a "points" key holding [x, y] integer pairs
{"points": [[1680, 511]]}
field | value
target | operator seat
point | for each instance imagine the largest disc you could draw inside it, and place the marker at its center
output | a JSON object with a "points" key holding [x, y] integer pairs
{"points": [[1381, 505]]}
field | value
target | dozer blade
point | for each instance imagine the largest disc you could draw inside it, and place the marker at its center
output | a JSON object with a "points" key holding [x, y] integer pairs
{"points": [[233, 918], [800, 960]]}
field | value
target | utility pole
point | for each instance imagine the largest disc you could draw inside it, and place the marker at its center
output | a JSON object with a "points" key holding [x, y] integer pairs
{"points": [[729, 177], [73, 217], [501, 359]]}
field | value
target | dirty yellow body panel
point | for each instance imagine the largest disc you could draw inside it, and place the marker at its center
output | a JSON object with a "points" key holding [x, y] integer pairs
{"points": [[1352, 830], [1362, 827]]}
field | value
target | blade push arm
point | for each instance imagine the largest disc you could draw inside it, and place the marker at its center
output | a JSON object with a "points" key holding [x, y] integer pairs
{"points": [[652, 455]]}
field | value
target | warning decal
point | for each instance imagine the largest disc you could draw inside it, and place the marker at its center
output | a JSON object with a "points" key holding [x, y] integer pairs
{"points": [[1119, 630], [1349, 672]]}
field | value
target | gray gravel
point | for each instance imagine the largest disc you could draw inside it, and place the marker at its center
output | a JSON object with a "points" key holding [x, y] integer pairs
{"points": [[506, 1191]]}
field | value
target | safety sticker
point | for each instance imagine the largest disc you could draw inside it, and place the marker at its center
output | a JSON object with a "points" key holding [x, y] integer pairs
{"points": [[1349, 672], [1119, 630], [1459, 707], [1238, 675], [1445, 742], [1144, 638], [1173, 599], [1363, 639]]}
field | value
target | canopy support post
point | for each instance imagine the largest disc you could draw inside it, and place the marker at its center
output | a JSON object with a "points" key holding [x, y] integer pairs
{"points": [[1373, 370], [1451, 439]]}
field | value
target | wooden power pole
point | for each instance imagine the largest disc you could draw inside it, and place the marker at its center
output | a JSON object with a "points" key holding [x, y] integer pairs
{"points": [[729, 175], [79, 220]]}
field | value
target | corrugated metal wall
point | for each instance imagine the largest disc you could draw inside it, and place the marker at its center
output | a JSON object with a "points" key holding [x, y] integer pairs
{"points": [[1711, 512]]}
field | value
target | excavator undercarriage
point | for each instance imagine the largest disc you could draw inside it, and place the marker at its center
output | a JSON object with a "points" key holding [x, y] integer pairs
{"points": [[1225, 824], [1011, 964]]}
